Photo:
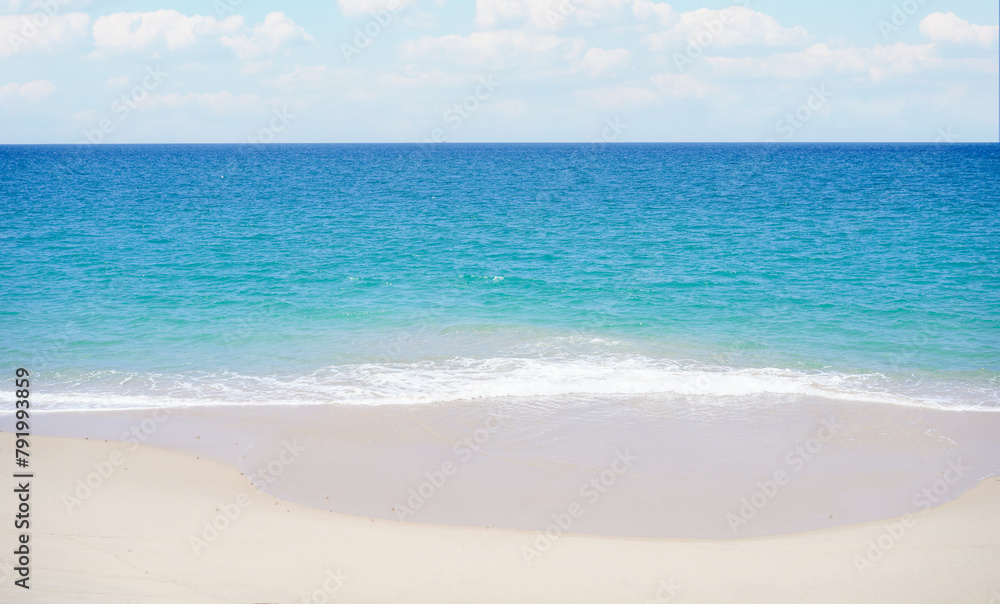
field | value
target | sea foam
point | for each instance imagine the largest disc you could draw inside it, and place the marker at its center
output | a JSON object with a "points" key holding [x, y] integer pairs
{"points": [[472, 379]]}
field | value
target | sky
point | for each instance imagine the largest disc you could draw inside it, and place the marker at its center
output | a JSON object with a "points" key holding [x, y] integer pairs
{"points": [[238, 71]]}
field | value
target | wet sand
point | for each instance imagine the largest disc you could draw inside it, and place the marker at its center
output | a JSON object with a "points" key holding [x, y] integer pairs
{"points": [[691, 471]]}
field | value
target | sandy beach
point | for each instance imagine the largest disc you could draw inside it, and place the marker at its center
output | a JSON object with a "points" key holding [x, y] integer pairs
{"points": [[156, 525], [500, 302]]}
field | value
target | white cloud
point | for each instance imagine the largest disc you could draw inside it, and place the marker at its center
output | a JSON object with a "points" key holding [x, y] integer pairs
{"points": [[420, 20], [878, 63], [491, 13], [816, 61], [600, 62], [725, 28], [40, 32], [275, 32], [820, 60], [550, 15], [35, 90], [121, 82], [506, 49], [169, 29], [949, 27], [900, 58], [124, 32], [353, 8], [658, 13]]}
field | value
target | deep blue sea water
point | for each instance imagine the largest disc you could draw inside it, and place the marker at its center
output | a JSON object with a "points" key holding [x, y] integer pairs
{"points": [[246, 274]]}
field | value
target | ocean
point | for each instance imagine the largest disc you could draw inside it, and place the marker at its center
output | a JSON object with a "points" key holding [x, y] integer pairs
{"points": [[736, 274]]}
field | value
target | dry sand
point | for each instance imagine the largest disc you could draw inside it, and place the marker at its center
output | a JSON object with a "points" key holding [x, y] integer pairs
{"points": [[130, 540]]}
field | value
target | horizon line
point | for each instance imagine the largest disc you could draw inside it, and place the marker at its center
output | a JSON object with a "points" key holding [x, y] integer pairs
{"points": [[449, 143]]}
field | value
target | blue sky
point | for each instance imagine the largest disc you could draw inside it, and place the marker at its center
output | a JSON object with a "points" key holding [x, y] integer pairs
{"points": [[498, 70]]}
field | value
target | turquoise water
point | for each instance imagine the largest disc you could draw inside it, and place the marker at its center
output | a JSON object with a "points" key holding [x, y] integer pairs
{"points": [[238, 274]]}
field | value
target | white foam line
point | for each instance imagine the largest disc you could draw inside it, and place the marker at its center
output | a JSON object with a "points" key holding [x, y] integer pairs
{"points": [[469, 379]]}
